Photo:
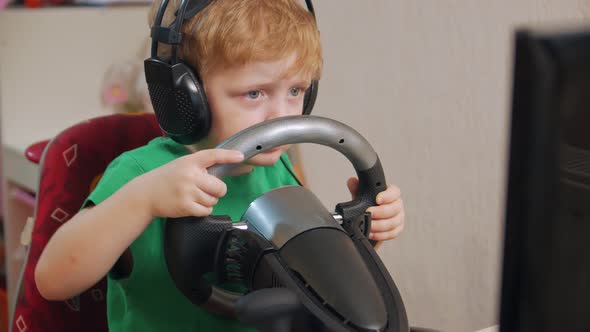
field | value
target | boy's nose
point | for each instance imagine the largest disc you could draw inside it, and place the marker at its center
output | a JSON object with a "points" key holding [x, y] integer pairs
{"points": [[278, 107]]}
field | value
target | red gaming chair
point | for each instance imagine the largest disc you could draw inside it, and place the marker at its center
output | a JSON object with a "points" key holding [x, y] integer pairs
{"points": [[71, 164]]}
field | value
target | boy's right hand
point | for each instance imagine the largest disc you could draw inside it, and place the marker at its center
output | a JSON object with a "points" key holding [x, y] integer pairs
{"points": [[183, 187]]}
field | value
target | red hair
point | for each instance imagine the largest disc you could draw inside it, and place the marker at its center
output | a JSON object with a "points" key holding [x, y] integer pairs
{"points": [[231, 33]]}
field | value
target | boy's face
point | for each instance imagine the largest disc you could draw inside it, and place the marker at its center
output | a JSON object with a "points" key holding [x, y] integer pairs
{"points": [[244, 96]]}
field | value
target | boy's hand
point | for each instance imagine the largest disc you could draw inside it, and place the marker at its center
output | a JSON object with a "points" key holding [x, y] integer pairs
{"points": [[387, 218], [183, 187]]}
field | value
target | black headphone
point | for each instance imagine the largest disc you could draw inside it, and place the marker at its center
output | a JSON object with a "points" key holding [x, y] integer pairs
{"points": [[177, 94]]}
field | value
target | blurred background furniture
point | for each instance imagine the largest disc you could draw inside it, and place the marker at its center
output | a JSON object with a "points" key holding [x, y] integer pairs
{"points": [[71, 165]]}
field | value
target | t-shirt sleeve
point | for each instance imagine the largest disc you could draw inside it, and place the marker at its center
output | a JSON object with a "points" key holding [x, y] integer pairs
{"points": [[119, 172]]}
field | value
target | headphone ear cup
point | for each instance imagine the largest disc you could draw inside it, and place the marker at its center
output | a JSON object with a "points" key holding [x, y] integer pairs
{"points": [[179, 101], [310, 96]]}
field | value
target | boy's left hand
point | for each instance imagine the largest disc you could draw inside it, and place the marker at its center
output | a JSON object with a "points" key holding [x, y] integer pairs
{"points": [[387, 218]]}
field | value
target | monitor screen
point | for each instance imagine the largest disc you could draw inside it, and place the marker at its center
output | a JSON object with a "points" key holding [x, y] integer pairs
{"points": [[546, 267]]}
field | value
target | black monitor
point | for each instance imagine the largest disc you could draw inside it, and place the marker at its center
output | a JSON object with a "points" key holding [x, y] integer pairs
{"points": [[546, 267]]}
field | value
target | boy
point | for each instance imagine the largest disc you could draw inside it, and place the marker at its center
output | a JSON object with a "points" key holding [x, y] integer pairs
{"points": [[255, 58]]}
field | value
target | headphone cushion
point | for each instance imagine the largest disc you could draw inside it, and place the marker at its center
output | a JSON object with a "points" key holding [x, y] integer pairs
{"points": [[179, 101], [310, 96]]}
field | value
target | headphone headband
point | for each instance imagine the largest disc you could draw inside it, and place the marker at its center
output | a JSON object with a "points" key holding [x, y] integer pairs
{"points": [[173, 35]]}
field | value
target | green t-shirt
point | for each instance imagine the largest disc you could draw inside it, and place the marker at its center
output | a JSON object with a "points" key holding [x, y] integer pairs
{"points": [[148, 300]]}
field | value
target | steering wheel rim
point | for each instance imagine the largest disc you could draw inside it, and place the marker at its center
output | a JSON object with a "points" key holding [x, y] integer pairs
{"points": [[251, 142]]}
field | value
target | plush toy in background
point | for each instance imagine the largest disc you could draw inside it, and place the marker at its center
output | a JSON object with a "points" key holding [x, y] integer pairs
{"points": [[124, 89], [4, 4]]}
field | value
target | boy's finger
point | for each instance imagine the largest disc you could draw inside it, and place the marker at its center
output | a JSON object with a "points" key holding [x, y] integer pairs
{"points": [[198, 210], [204, 198], [386, 225], [392, 194], [385, 211], [383, 236], [208, 158], [353, 185], [211, 185]]}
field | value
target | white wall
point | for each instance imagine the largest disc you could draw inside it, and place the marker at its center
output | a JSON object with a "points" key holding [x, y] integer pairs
{"points": [[427, 82], [52, 62]]}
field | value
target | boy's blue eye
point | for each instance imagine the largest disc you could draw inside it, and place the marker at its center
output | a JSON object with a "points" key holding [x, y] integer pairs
{"points": [[253, 94], [294, 91]]}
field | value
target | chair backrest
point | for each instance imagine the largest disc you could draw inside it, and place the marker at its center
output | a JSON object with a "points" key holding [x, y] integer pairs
{"points": [[71, 165]]}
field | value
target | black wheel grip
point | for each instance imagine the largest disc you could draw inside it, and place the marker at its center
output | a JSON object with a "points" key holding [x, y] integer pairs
{"points": [[189, 244], [371, 182]]}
